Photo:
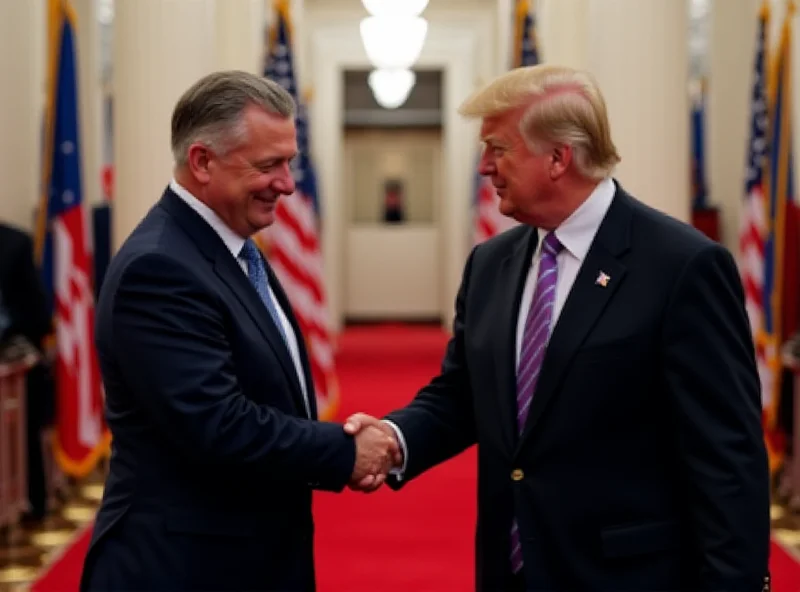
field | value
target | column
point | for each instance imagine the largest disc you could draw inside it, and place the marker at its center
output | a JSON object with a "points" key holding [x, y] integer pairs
{"points": [[240, 30], [22, 59], [160, 49], [639, 53], [505, 35], [562, 26], [731, 55], [89, 96], [297, 9]]}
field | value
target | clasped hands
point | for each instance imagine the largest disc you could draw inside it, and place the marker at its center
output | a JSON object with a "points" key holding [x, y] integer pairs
{"points": [[377, 451]]}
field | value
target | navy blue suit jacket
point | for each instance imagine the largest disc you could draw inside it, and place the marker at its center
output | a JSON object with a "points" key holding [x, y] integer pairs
{"points": [[214, 458], [642, 464]]}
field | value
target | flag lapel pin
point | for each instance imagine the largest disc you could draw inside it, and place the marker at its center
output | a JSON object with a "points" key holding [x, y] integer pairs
{"points": [[602, 279]]}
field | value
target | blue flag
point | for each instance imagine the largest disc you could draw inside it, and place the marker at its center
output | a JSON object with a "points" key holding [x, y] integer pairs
{"points": [[66, 263]]}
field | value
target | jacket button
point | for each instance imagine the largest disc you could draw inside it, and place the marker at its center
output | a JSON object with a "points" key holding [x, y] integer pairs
{"points": [[517, 475]]}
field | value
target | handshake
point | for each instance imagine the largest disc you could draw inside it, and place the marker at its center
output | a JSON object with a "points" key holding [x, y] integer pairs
{"points": [[377, 451]]}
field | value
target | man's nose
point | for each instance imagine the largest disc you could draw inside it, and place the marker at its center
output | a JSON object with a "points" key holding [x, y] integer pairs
{"points": [[285, 183], [486, 165]]}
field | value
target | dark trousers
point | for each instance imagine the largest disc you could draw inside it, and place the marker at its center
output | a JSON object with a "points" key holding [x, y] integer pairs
{"points": [[39, 403], [516, 582]]}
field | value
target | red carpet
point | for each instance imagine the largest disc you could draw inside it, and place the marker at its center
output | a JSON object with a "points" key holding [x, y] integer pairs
{"points": [[64, 572], [421, 538], [418, 539], [785, 569]]}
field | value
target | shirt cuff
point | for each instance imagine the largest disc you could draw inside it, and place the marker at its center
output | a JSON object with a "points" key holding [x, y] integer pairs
{"points": [[401, 441]]}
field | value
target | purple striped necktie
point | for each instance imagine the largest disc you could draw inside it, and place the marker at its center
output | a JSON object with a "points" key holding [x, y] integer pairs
{"points": [[532, 350]]}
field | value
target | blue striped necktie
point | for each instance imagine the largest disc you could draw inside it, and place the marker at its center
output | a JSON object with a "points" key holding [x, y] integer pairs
{"points": [[257, 274]]}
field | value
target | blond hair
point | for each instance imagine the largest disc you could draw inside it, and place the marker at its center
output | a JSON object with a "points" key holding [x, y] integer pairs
{"points": [[564, 106]]}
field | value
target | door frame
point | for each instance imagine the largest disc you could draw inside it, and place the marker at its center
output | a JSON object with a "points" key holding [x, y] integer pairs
{"points": [[452, 48], [411, 249]]}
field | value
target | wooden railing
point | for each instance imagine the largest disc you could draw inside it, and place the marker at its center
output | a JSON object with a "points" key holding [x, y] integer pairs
{"points": [[15, 362]]}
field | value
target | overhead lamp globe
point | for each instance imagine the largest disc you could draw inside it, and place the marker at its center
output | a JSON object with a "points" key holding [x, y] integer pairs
{"points": [[395, 7], [391, 87], [393, 43]]}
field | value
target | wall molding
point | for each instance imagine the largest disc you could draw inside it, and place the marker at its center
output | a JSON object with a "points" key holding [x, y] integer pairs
{"points": [[335, 45]]}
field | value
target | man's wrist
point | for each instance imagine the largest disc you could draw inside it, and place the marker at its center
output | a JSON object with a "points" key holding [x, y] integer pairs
{"points": [[398, 471]]}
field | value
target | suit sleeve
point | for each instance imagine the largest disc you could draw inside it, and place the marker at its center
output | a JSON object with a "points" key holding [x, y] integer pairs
{"points": [[439, 423], [713, 382], [172, 350]]}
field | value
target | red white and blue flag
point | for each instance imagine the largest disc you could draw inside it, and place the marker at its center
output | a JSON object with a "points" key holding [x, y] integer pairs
{"points": [[63, 250], [780, 297], [292, 242]]}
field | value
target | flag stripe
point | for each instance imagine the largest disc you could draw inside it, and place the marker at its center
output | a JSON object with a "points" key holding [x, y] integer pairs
{"points": [[768, 234], [62, 251]]}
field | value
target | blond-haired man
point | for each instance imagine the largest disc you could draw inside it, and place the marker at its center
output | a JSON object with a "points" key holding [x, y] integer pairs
{"points": [[602, 361]]}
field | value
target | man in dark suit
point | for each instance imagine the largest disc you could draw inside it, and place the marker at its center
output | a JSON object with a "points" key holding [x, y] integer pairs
{"points": [[602, 360], [216, 444], [24, 313]]}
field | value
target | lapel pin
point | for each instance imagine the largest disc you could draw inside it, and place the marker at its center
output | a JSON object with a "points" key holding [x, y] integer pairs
{"points": [[602, 279]]}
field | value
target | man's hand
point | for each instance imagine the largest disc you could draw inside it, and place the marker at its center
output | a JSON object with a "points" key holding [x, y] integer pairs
{"points": [[359, 424], [375, 453]]}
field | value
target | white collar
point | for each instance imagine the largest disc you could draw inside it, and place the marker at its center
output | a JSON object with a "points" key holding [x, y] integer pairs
{"points": [[233, 241], [577, 232]]}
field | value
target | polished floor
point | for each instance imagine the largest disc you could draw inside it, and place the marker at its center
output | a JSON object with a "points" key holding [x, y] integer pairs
{"points": [[26, 550]]}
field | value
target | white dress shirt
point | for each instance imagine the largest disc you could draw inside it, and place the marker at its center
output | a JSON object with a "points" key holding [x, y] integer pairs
{"points": [[576, 233], [234, 242]]}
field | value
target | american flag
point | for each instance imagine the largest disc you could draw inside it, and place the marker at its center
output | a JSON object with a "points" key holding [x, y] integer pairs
{"points": [[488, 219], [292, 242], [780, 298], [753, 224], [62, 245]]}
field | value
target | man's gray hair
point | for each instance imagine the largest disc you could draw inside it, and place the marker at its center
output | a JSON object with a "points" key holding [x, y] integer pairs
{"points": [[211, 110]]}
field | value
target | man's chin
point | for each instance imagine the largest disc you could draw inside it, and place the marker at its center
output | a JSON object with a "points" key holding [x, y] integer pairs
{"points": [[506, 208], [262, 221]]}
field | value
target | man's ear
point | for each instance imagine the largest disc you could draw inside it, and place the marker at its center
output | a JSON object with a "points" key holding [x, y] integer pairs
{"points": [[561, 158], [198, 158]]}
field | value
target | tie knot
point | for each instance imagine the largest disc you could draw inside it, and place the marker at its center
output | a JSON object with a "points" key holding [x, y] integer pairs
{"points": [[250, 252], [551, 244]]}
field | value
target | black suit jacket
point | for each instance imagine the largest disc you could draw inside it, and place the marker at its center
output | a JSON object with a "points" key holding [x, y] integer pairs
{"points": [[642, 464], [213, 457], [21, 291], [24, 300]]}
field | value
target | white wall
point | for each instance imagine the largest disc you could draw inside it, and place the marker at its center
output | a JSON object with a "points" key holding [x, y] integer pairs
{"points": [[563, 27], [731, 50], [22, 59], [90, 95]]}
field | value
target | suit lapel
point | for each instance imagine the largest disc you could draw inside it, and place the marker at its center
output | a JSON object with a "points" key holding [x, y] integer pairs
{"points": [[230, 272], [585, 303], [212, 247], [513, 273]]}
